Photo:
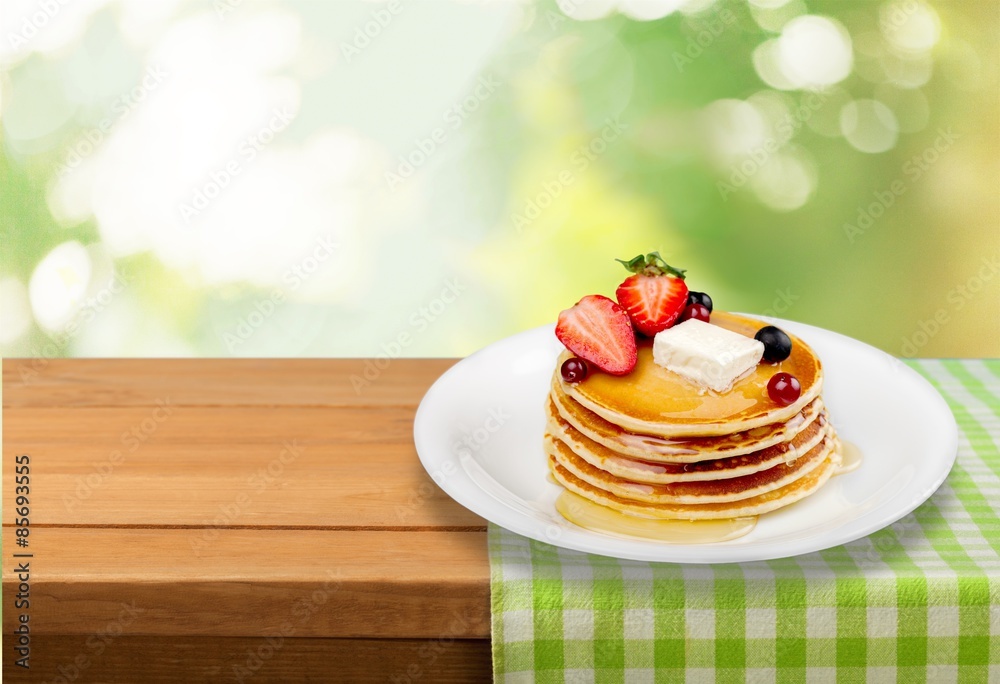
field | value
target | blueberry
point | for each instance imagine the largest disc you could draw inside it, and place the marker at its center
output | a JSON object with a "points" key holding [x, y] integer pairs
{"points": [[700, 298], [777, 344]]}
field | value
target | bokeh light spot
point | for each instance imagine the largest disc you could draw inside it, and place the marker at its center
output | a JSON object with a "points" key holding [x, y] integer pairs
{"points": [[736, 128], [869, 126], [910, 25], [58, 284], [767, 66], [785, 182], [649, 10], [912, 71], [814, 51]]}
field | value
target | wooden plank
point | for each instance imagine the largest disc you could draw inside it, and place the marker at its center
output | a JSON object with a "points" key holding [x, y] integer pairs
{"points": [[260, 490], [214, 466], [215, 382], [300, 583], [161, 660], [121, 428]]}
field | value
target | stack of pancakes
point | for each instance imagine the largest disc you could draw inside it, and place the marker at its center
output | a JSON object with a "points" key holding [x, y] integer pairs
{"points": [[653, 444]]}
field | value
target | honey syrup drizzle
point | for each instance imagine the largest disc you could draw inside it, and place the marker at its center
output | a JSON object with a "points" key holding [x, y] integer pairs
{"points": [[593, 516], [850, 458]]}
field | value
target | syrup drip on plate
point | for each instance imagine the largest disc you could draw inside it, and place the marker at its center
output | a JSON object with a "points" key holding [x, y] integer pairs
{"points": [[850, 458], [598, 518]]}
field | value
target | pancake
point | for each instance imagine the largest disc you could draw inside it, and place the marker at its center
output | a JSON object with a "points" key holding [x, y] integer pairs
{"points": [[686, 450], [654, 401], [756, 505], [650, 472], [653, 445], [697, 492]]}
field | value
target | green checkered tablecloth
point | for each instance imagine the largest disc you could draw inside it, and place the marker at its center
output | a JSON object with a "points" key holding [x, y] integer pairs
{"points": [[916, 602]]}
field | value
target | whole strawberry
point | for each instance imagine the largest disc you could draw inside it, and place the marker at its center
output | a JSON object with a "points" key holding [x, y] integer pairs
{"points": [[655, 296]]}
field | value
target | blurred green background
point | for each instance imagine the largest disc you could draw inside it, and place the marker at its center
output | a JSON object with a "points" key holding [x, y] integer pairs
{"points": [[229, 177]]}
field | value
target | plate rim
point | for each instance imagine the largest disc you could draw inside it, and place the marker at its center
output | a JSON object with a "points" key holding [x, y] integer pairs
{"points": [[487, 505]]}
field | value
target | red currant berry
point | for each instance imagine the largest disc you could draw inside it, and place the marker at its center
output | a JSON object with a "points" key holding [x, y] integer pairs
{"points": [[700, 298], [574, 370], [784, 389], [699, 311]]}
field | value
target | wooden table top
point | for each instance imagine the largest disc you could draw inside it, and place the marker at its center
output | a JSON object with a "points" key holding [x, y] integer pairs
{"points": [[238, 499]]}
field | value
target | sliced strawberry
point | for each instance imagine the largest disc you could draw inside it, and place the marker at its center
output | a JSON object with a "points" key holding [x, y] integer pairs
{"points": [[655, 296], [599, 331]]}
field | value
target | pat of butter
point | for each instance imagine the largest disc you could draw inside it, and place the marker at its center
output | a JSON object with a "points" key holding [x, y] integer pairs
{"points": [[706, 354]]}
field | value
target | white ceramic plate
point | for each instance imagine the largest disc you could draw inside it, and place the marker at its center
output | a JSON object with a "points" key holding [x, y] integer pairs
{"points": [[479, 435]]}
